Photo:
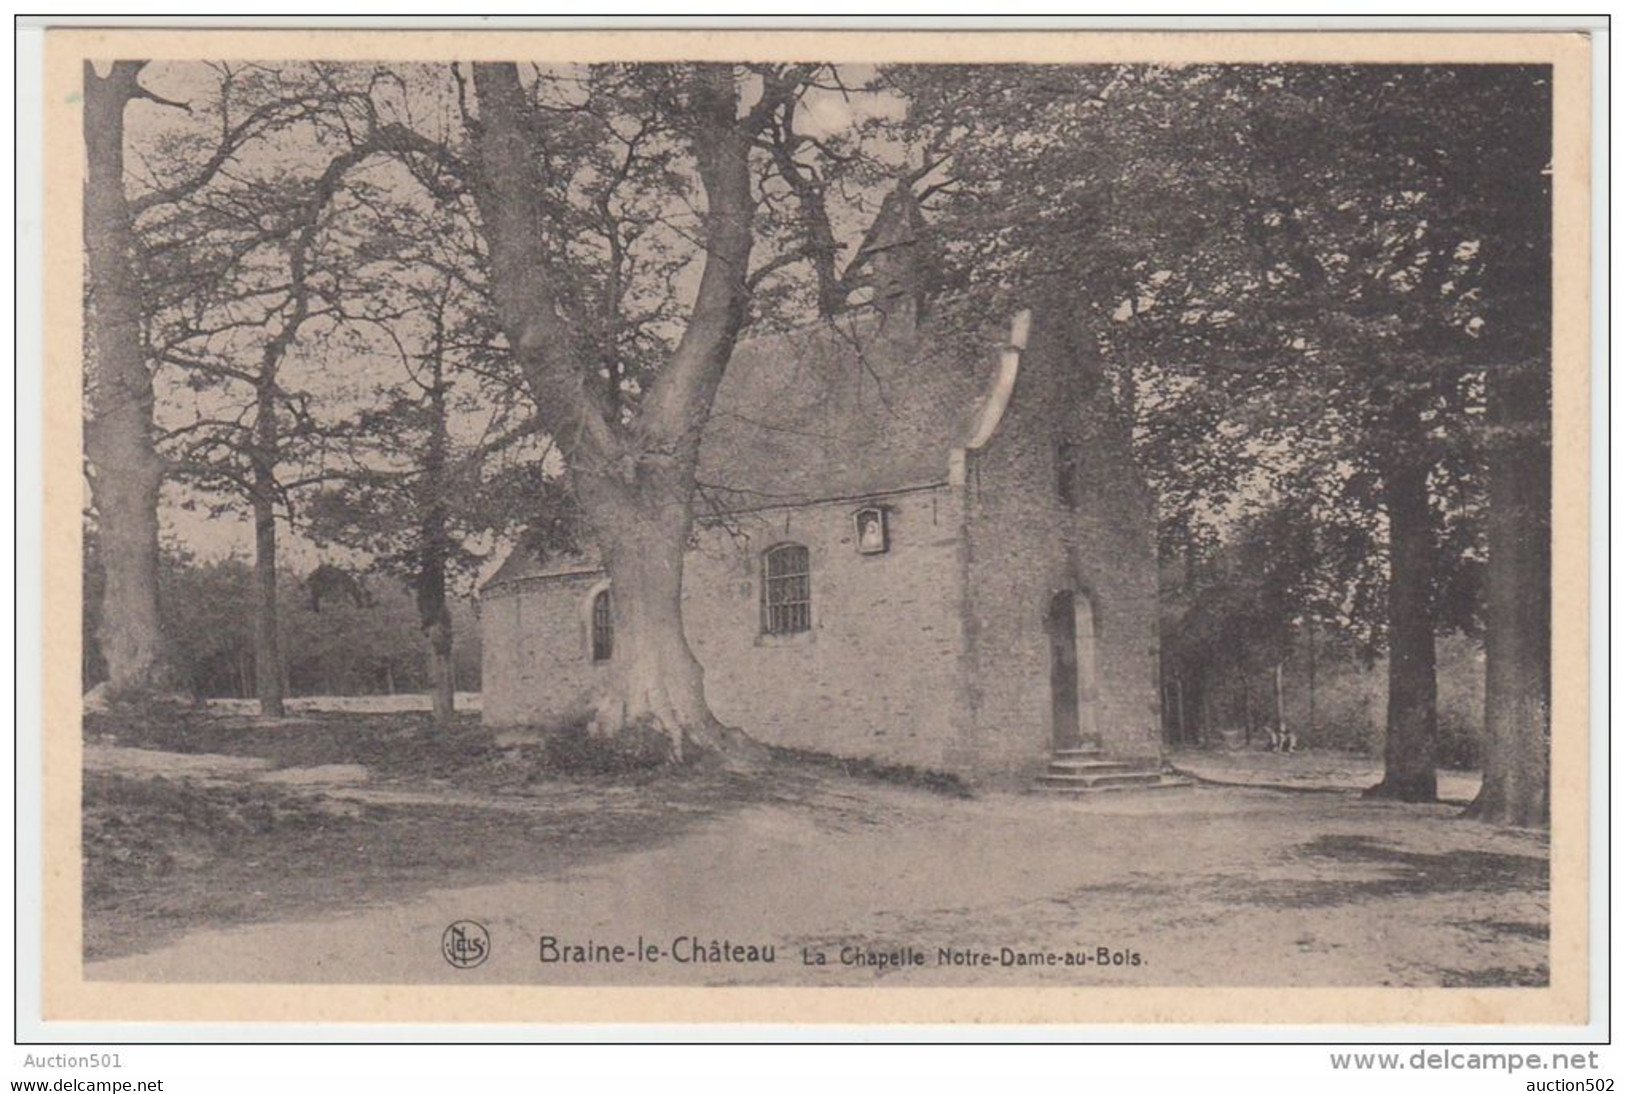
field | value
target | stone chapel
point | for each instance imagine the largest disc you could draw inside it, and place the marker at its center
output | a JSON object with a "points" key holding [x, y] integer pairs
{"points": [[917, 541]]}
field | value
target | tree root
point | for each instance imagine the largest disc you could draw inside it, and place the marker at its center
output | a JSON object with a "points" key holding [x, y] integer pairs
{"points": [[709, 744], [1407, 790], [734, 750], [1532, 815]]}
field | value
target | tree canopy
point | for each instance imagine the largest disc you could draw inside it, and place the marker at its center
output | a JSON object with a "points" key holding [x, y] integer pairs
{"points": [[419, 312]]}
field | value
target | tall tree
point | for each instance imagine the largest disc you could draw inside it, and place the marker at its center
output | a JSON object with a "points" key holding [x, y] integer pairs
{"points": [[606, 195], [265, 423], [631, 462], [262, 261], [126, 470], [1291, 258], [126, 237], [443, 461], [434, 532], [1515, 206]]}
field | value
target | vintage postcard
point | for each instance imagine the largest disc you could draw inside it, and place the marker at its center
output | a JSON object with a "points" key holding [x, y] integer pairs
{"points": [[755, 526]]}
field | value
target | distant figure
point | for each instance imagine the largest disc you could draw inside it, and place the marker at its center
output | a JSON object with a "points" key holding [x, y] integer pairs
{"points": [[1282, 739]]}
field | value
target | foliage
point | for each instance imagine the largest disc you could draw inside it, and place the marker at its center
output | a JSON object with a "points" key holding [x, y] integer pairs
{"points": [[411, 311], [364, 646], [1291, 266], [572, 750]]}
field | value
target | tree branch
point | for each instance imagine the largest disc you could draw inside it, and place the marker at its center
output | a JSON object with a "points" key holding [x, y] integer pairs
{"points": [[682, 395], [509, 194], [231, 142]]}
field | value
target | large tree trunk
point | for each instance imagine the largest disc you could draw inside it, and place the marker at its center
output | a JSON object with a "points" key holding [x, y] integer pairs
{"points": [[1518, 605], [442, 679], [1517, 609], [119, 436], [1409, 751], [435, 547], [657, 685], [435, 617], [634, 480], [267, 643]]}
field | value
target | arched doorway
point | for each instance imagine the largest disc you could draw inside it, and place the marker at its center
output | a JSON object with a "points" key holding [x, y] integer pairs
{"points": [[1070, 624]]}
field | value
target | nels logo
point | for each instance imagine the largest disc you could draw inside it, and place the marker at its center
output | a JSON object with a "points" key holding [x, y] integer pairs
{"points": [[465, 944]]}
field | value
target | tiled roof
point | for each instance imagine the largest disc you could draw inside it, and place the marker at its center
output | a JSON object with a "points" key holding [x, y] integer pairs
{"points": [[844, 408], [859, 405], [522, 563]]}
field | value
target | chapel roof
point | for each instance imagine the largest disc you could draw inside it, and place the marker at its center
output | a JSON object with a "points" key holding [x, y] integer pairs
{"points": [[842, 409], [870, 401], [862, 404]]}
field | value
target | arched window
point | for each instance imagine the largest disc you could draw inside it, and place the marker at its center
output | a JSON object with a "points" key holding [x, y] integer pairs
{"points": [[603, 627], [786, 590]]}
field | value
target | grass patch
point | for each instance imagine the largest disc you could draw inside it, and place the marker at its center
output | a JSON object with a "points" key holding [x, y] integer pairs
{"points": [[403, 745], [571, 750], [938, 782], [164, 855], [143, 828]]}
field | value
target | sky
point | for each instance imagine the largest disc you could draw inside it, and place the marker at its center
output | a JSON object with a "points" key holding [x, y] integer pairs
{"points": [[344, 375]]}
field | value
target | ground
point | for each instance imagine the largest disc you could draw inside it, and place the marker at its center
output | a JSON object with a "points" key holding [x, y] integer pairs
{"points": [[1313, 771], [340, 847]]}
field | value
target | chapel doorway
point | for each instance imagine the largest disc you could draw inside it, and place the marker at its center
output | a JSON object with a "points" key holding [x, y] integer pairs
{"points": [[1070, 624], [1061, 623]]}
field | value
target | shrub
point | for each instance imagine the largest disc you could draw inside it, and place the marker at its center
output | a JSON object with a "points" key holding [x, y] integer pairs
{"points": [[571, 750], [939, 782]]}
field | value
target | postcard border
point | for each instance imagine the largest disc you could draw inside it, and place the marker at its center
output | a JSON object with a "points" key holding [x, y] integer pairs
{"points": [[67, 996]]}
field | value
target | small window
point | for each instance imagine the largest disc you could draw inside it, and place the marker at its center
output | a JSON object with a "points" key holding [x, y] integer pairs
{"points": [[603, 627], [1067, 459], [872, 532], [786, 590]]}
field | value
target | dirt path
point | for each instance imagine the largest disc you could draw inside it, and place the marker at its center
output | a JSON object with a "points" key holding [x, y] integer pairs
{"points": [[1207, 886], [1309, 771]]}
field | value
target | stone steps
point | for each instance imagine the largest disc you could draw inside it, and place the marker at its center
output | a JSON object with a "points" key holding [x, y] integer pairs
{"points": [[1071, 790], [1091, 766], [1088, 770], [1103, 778]]}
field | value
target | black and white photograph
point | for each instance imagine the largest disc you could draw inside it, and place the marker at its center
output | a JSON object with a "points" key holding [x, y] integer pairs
{"points": [[825, 518]]}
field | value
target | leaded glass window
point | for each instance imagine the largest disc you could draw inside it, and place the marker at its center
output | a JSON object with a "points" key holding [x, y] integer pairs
{"points": [[786, 590], [603, 627]]}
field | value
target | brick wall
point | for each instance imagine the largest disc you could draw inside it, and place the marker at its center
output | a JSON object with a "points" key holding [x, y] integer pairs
{"points": [[935, 653], [877, 675], [536, 651], [1024, 544]]}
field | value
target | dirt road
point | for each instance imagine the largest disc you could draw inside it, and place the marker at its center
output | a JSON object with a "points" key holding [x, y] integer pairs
{"points": [[1214, 886]]}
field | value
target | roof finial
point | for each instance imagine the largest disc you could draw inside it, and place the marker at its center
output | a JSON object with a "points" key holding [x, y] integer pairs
{"points": [[895, 260]]}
